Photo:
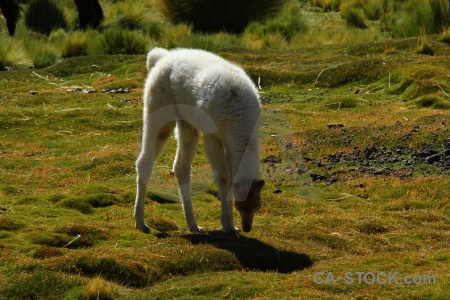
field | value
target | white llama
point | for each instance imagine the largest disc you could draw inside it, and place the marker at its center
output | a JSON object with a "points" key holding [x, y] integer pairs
{"points": [[194, 90]]}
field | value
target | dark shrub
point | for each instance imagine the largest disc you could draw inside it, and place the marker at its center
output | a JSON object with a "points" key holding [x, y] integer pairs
{"points": [[218, 15], [43, 16]]}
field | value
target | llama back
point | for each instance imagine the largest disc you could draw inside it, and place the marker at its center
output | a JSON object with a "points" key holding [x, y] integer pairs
{"points": [[227, 93], [206, 81]]}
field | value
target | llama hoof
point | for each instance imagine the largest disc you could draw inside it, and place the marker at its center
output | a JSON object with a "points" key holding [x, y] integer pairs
{"points": [[144, 228], [196, 229], [230, 229]]}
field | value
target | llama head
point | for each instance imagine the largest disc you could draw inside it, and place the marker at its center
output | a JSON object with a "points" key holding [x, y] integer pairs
{"points": [[248, 201]]}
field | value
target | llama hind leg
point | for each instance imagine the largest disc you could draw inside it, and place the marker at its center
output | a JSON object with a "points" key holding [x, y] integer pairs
{"points": [[153, 144], [214, 149], [188, 138]]}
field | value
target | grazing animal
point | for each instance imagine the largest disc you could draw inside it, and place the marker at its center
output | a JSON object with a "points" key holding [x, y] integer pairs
{"points": [[197, 91], [11, 11], [90, 13]]}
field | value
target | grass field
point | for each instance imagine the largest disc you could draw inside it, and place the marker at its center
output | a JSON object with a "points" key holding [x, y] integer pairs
{"points": [[355, 152]]}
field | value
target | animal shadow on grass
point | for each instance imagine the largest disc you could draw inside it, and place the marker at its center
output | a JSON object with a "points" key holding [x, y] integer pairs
{"points": [[252, 253]]}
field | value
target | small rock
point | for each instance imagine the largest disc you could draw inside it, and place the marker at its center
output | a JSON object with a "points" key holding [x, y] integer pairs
{"points": [[277, 191], [317, 177], [335, 125], [425, 154], [301, 171], [86, 91], [272, 159], [105, 91], [332, 179], [433, 158], [34, 92]]}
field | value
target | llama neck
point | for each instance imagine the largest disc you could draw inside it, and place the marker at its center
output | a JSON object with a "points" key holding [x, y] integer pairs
{"points": [[245, 165], [244, 156]]}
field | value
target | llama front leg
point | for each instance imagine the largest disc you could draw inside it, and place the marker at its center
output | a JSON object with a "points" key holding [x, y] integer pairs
{"points": [[187, 137], [216, 155], [185, 195]]}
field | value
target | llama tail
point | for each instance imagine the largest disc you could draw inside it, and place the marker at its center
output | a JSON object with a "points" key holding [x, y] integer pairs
{"points": [[154, 55]]}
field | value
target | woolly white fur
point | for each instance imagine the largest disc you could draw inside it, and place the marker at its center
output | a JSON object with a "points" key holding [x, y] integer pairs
{"points": [[199, 92]]}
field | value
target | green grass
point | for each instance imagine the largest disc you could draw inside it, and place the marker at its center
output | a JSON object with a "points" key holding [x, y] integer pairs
{"points": [[68, 181], [287, 25]]}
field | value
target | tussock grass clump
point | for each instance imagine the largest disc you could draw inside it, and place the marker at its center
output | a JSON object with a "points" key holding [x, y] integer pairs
{"points": [[354, 17], [102, 200], [75, 44], [433, 101], [327, 5], [202, 259], [331, 241], [425, 48], [49, 239], [421, 16], [218, 15], [9, 190], [372, 227], [287, 26], [162, 224], [91, 231], [445, 35], [155, 29], [42, 53], [81, 204], [177, 36], [275, 33], [57, 36], [40, 284], [56, 198], [9, 225], [92, 188], [124, 15], [12, 54], [212, 42], [25, 200], [98, 288], [342, 103], [119, 41], [43, 16], [45, 252], [162, 197], [440, 12], [85, 204], [125, 272]]}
